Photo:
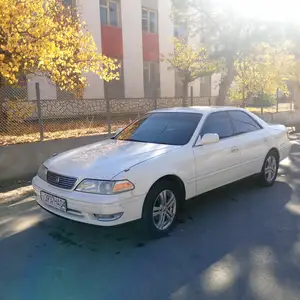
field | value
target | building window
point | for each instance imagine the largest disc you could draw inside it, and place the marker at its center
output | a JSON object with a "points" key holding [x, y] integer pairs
{"points": [[149, 20], [69, 3], [151, 79], [114, 89], [180, 29], [109, 12]]}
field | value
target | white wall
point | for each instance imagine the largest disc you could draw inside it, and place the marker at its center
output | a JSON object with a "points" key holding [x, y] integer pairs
{"points": [[131, 13], [152, 4], [47, 89], [90, 13], [196, 88], [166, 34]]}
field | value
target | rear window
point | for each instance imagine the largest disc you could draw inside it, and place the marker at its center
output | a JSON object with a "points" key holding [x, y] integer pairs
{"points": [[243, 123], [169, 128]]}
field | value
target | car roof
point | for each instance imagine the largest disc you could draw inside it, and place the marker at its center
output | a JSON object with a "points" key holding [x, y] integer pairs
{"points": [[198, 109]]}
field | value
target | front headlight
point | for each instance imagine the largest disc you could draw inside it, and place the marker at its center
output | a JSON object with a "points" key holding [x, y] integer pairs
{"points": [[104, 187], [42, 172]]}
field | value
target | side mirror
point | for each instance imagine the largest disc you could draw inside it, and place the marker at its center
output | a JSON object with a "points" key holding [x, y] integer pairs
{"points": [[208, 138]]}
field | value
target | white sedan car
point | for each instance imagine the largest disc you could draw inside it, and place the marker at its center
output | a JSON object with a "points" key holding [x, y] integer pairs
{"points": [[147, 170]]}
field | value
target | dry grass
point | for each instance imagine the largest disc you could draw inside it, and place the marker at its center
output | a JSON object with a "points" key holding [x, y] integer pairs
{"points": [[28, 133], [271, 109]]}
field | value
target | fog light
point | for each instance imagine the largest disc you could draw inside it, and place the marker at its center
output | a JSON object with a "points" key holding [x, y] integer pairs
{"points": [[108, 218]]}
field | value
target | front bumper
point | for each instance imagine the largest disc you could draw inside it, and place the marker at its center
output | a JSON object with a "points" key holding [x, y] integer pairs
{"points": [[83, 207]]}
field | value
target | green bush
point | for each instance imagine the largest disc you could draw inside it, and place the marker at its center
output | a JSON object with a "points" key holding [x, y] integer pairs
{"points": [[264, 100]]}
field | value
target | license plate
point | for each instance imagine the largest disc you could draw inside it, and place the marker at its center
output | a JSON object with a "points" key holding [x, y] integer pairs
{"points": [[53, 201]]}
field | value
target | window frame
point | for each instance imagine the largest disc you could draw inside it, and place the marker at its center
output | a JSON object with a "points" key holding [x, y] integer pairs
{"points": [[211, 114], [151, 66], [149, 11], [147, 66], [108, 13], [245, 113], [73, 4]]}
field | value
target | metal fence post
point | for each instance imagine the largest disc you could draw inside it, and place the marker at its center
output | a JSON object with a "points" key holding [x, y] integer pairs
{"points": [[40, 116], [192, 96], [209, 101], [108, 117], [277, 99]]}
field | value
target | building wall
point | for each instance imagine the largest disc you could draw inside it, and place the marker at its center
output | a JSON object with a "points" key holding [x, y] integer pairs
{"points": [[166, 34], [133, 47], [152, 4], [112, 41], [215, 81], [131, 13], [90, 12], [47, 89]]}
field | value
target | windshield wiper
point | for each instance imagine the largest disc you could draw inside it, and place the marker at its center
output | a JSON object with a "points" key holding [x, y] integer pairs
{"points": [[133, 140]]}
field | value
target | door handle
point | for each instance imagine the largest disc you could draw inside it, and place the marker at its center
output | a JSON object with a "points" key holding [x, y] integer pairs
{"points": [[234, 149]]}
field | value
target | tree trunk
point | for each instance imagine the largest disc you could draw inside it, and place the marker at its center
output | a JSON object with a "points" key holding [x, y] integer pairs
{"points": [[226, 83], [244, 99], [185, 98]]}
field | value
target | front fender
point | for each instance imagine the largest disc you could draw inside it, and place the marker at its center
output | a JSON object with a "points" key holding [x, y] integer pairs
{"points": [[179, 163]]}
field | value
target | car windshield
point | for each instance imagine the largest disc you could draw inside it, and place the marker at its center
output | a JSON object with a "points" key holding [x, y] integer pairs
{"points": [[171, 128]]}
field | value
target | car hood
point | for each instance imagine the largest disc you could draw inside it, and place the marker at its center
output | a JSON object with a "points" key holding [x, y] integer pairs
{"points": [[106, 159]]}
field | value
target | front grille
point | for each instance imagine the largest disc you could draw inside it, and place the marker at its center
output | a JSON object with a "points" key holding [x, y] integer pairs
{"points": [[61, 181]]}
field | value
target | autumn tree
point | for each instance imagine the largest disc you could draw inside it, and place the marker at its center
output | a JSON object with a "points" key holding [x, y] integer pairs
{"points": [[45, 38], [263, 72], [191, 62], [228, 35]]}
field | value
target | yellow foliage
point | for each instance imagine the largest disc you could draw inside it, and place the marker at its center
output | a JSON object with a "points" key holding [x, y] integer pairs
{"points": [[191, 62], [38, 36], [265, 70]]}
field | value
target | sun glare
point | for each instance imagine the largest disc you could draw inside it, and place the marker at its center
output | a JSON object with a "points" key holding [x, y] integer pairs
{"points": [[271, 10]]}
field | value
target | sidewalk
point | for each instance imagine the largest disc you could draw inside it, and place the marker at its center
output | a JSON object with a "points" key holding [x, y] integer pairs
{"points": [[15, 192]]}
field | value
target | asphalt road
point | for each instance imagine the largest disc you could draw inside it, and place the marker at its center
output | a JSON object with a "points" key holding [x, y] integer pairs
{"points": [[239, 242]]}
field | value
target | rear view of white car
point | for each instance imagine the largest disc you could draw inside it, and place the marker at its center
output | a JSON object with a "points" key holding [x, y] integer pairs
{"points": [[156, 163]]}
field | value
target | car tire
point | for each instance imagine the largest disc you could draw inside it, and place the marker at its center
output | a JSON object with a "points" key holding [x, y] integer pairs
{"points": [[160, 209], [269, 170]]}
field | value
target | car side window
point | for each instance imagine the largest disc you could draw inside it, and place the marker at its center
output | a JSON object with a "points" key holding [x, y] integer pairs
{"points": [[243, 123], [218, 123]]}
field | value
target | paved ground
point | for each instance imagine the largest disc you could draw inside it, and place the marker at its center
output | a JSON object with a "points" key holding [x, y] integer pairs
{"points": [[240, 242]]}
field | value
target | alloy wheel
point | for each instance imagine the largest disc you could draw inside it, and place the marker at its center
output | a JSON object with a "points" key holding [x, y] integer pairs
{"points": [[164, 210], [270, 168]]}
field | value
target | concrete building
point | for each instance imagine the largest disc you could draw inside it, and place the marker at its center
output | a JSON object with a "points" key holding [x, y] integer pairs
{"points": [[136, 32]]}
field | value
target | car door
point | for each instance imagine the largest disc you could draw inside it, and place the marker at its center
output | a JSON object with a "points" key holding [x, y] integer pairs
{"points": [[217, 164], [254, 143]]}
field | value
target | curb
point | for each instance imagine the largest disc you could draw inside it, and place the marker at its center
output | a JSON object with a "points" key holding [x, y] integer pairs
{"points": [[6, 203]]}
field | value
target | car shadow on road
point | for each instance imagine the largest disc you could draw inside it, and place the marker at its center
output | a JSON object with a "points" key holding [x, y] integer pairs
{"points": [[227, 226]]}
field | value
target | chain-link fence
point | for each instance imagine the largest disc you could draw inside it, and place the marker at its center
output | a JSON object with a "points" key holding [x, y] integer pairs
{"points": [[23, 120]]}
